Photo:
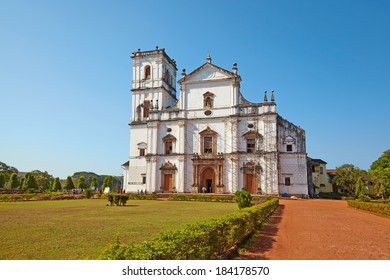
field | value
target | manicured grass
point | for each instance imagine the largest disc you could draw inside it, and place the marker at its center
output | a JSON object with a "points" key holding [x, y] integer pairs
{"points": [[81, 229]]}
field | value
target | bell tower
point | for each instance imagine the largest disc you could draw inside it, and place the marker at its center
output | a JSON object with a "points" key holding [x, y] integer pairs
{"points": [[153, 83]]}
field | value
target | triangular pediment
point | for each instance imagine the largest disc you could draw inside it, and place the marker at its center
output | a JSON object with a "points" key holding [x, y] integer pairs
{"points": [[208, 72]]}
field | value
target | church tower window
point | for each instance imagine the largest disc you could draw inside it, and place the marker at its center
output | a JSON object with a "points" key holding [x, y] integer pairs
{"points": [[147, 72], [146, 108], [169, 141], [290, 143], [168, 147], [142, 149]]}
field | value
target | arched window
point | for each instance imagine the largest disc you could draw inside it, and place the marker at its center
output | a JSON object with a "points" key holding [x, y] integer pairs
{"points": [[146, 108], [169, 142], [254, 141], [147, 72]]}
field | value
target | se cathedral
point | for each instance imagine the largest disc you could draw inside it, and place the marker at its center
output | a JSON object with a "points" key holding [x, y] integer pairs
{"points": [[208, 138]]}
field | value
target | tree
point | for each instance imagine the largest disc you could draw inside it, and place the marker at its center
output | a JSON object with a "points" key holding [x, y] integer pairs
{"points": [[81, 184], [107, 182], [347, 176], [380, 172], [56, 185], [360, 188], [69, 184], [44, 179], [13, 182], [94, 183], [5, 173], [29, 182], [21, 184], [2, 180]]}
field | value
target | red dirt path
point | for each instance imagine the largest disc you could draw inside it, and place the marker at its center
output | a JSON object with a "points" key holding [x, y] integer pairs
{"points": [[321, 230]]}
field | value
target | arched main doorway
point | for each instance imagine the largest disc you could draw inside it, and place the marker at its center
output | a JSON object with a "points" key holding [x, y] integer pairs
{"points": [[208, 180]]}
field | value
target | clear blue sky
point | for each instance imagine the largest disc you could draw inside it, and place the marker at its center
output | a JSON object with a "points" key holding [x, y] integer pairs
{"points": [[65, 72]]}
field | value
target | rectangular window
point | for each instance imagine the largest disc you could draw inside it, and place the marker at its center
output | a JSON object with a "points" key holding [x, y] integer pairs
{"points": [[207, 144], [289, 148], [321, 170], [250, 145], [141, 152], [143, 179], [287, 181], [168, 147]]}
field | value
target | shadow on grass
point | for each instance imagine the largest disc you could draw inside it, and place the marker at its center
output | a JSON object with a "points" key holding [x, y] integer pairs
{"points": [[127, 205], [262, 241]]}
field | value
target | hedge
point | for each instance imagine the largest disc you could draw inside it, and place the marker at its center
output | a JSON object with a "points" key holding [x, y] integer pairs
{"points": [[39, 196], [197, 241], [210, 198], [332, 195], [205, 198], [370, 206]]}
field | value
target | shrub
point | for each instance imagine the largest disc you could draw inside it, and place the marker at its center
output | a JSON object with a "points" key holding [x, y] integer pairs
{"points": [[364, 198], [205, 240], [369, 206], [243, 199], [110, 198], [335, 196], [137, 196], [118, 199], [88, 193]]}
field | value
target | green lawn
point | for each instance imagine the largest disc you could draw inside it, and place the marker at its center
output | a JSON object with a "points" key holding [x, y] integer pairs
{"points": [[81, 229]]}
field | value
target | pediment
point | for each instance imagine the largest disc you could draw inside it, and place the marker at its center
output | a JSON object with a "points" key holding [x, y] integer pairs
{"points": [[252, 134], [208, 72], [289, 139], [207, 131], [169, 137], [142, 145]]}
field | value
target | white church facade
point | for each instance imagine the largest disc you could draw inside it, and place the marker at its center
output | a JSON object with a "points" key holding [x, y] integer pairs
{"points": [[209, 139]]}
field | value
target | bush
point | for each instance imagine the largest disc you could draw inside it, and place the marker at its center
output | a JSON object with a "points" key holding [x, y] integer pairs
{"points": [[364, 198], [119, 199], [110, 198], [142, 196], [88, 193], [205, 240], [243, 199], [332, 195], [369, 206]]}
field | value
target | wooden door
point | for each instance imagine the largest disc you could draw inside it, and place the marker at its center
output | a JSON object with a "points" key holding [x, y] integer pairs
{"points": [[168, 182], [251, 184]]}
